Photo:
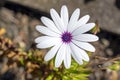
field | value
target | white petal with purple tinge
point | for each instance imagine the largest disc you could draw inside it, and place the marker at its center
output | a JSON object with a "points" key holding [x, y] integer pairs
{"points": [[48, 43], [50, 54], [84, 45], [67, 59], [82, 21], [64, 16], [57, 20], [42, 38], [49, 23], [60, 55], [86, 37], [79, 53], [83, 29], [46, 31], [73, 20], [76, 54]]}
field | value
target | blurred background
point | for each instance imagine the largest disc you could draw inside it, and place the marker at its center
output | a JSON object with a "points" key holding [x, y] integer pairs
{"points": [[18, 19]]}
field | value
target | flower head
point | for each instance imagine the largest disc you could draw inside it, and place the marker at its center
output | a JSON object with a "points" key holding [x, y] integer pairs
{"points": [[66, 36]]}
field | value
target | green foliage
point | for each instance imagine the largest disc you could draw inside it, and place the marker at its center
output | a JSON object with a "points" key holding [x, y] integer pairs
{"points": [[115, 66], [96, 29], [21, 60], [33, 64], [76, 72]]}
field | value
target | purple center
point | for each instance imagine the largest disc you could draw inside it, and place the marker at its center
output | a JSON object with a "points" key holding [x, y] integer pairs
{"points": [[66, 37]]}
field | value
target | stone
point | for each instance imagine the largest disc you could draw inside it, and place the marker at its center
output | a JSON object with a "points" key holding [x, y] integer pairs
{"points": [[104, 11]]}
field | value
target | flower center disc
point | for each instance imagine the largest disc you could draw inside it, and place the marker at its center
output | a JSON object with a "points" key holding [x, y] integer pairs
{"points": [[66, 37]]}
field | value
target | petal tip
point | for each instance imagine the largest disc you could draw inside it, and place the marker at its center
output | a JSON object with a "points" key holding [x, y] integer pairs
{"points": [[93, 50], [56, 65], [51, 10], [88, 16], [42, 18], [87, 60], [64, 6], [35, 40], [46, 59], [94, 24], [37, 27], [78, 10], [67, 67], [37, 46], [97, 38]]}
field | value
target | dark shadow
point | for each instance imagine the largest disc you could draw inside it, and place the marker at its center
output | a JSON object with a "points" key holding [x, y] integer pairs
{"points": [[87, 1], [114, 40], [2, 3], [8, 75], [25, 10], [117, 3]]}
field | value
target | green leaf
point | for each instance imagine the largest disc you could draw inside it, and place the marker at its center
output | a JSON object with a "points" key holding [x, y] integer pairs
{"points": [[22, 60]]}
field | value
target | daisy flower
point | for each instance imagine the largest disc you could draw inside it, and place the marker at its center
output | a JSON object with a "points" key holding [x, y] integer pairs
{"points": [[66, 37]]}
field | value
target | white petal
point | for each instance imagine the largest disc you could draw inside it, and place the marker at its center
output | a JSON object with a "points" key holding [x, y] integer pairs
{"points": [[67, 59], [84, 45], [75, 54], [46, 31], [49, 23], [73, 20], [82, 21], [86, 37], [48, 42], [79, 53], [50, 54], [56, 18], [83, 29], [79, 61], [42, 38], [64, 16], [60, 55]]}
